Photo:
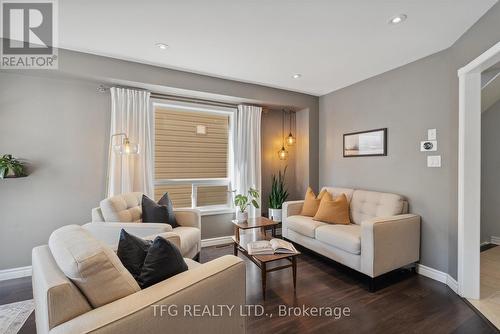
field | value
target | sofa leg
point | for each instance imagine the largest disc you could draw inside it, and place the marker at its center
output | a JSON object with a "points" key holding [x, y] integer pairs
{"points": [[371, 285], [197, 257]]}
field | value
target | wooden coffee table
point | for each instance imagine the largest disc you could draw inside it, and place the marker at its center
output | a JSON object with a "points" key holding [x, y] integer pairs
{"points": [[241, 241]]}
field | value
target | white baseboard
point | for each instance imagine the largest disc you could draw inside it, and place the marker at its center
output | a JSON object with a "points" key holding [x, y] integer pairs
{"points": [[495, 240], [217, 241], [452, 284], [15, 273], [438, 276]]}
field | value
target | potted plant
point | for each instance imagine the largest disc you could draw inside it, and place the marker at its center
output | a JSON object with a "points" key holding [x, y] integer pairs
{"points": [[11, 167], [242, 202], [278, 195]]}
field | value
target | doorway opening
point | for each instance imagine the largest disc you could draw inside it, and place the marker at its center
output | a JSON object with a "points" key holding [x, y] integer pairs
{"points": [[472, 79]]}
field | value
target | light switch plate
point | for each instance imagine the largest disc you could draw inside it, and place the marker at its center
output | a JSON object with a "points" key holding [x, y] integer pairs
{"points": [[428, 146], [431, 134], [434, 161]]}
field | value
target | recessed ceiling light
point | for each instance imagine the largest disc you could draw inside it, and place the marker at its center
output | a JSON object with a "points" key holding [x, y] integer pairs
{"points": [[297, 76], [398, 19], [162, 46]]}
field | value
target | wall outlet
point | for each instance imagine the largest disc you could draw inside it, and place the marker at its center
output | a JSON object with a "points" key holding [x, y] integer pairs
{"points": [[434, 161], [428, 146], [431, 134]]}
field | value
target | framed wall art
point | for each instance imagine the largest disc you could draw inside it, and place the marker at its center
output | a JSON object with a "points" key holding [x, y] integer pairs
{"points": [[366, 143]]}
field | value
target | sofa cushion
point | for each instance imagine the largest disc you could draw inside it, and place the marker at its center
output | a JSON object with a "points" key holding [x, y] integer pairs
{"points": [[303, 225], [125, 208], [336, 191], [92, 266], [190, 237], [345, 237], [370, 204]]}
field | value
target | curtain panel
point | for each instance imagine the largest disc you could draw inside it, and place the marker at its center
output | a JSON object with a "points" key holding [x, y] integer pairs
{"points": [[247, 152], [131, 113]]}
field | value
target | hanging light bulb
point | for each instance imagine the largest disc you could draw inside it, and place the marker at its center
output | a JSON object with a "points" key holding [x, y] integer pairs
{"points": [[126, 147], [283, 153], [290, 140]]}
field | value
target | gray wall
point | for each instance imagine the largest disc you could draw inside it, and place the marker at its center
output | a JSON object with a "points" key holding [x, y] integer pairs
{"points": [[408, 101], [60, 126], [59, 123], [271, 164], [490, 173]]}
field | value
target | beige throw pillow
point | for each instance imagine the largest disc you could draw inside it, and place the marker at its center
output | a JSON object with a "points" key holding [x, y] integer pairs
{"points": [[91, 265], [311, 202], [333, 210]]}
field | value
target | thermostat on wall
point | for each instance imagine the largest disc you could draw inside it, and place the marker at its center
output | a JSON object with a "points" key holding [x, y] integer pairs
{"points": [[428, 146]]}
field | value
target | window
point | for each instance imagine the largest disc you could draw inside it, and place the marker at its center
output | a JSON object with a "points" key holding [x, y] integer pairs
{"points": [[193, 154]]}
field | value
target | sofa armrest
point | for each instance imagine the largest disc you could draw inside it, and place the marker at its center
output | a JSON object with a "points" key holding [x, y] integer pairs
{"points": [[218, 282], [97, 215], [109, 233], [389, 243], [292, 208], [188, 217]]}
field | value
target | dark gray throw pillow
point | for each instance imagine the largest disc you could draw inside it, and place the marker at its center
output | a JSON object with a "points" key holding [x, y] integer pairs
{"points": [[163, 260], [165, 200], [153, 212], [132, 252]]}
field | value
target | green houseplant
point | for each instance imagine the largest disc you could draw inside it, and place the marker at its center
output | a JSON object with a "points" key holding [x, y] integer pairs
{"points": [[278, 195], [242, 202], [11, 167]]}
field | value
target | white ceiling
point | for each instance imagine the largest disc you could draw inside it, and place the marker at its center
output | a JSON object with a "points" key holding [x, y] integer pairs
{"points": [[331, 43]]}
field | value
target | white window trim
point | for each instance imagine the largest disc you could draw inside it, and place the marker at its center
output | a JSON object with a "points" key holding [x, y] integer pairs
{"points": [[195, 183]]}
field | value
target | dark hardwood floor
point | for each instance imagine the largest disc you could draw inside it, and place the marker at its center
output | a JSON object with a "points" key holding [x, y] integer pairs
{"points": [[16, 290], [412, 304]]}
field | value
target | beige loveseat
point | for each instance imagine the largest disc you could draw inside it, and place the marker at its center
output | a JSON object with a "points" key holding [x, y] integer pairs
{"points": [[381, 238], [125, 211], [103, 297]]}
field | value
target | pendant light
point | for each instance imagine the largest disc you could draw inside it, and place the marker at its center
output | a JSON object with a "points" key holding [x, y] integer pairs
{"points": [[283, 153], [290, 140]]}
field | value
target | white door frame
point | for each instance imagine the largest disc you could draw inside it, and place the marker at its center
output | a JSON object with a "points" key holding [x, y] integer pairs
{"points": [[469, 171]]}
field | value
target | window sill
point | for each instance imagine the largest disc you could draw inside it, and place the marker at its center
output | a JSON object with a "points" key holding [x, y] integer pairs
{"points": [[215, 211]]}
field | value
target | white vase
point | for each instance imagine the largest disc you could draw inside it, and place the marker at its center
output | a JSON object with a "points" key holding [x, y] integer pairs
{"points": [[275, 215], [241, 216]]}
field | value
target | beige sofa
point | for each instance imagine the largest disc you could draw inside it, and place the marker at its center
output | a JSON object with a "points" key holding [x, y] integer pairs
{"points": [[102, 297], [125, 211], [381, 238]]}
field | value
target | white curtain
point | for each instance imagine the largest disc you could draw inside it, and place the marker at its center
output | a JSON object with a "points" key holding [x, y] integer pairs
{"points": [[247, 152], [131, 113]]}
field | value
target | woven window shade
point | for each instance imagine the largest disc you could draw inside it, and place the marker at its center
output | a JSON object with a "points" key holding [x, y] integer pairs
{"points": [[182, 153], [179, 194]]}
